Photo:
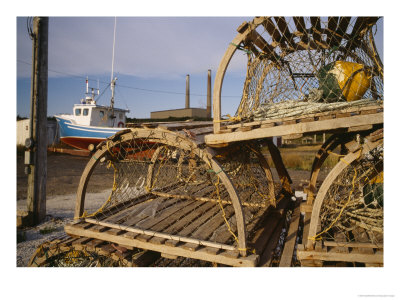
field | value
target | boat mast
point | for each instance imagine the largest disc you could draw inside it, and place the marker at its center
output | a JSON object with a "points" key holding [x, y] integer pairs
{"points": [[112, 72]]}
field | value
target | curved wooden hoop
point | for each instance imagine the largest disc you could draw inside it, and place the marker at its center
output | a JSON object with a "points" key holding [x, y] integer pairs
{"points": [[171, 139], [219, 78], [340, 166], [330, 144], [270, 180]]}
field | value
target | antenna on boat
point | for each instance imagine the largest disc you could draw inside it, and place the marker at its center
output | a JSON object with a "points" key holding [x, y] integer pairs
{"points": [[89, 99], [112, 72]]}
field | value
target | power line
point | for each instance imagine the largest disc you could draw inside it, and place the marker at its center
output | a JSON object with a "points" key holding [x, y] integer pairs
{"points": [[126, 86]]}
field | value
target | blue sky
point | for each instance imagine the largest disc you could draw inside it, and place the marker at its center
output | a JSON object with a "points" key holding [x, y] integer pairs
{"points": [[152, 57]]}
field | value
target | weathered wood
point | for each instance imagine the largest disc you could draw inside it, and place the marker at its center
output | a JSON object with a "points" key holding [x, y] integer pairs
{"points": [[306, 229], [332, 256], [315, 127], [150, 233], [259, 41], [353, 244], [249, 261], [270, 122], [274, 33], [341, 30], [301, 27], [219, 78], [285, 32], [280, 167], [37, 153], [263, 235], [237, 206], [266, 257], [340, 237], [202, 218], [331, 32], [287, 253]]}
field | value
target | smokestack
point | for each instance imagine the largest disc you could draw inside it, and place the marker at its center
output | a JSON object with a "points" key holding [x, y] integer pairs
{"points": [[209, 94], [187, 104]]}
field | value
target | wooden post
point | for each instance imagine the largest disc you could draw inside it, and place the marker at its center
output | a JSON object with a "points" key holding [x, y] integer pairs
{"points": [[36, 156], [209, 94], [187, 104]]}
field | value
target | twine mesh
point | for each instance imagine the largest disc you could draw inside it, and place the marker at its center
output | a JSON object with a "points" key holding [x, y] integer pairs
{"points": [[322, 61], [173, 190], [352, 210]]}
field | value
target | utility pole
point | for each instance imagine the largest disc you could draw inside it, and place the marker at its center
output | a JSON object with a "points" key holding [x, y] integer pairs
{"points": [[36, 144], [209, 94]]}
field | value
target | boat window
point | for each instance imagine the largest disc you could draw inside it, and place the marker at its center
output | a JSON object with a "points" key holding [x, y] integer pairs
{"points": [[77, 112], [101, 114], [121, 116], [85, 111]]}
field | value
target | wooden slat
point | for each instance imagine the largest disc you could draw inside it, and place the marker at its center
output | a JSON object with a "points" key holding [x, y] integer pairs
{"points": [[340, 237], [331, 32], [79, 244], [259, 41], [94, 244], [316, 31], [164, 217], [361, 236], [190, 209], [320, 126], [306, 228], [274, 33], [285, 31], [341, 30], [345, 257], [203, 218], [263, 235], [266, 257], [368, 109], [287, 253], [208, 228], [301, 27], [353, 245], [279, 165], [249, 261], [135, 212]]}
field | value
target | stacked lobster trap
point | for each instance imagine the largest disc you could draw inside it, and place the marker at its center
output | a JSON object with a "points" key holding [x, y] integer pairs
{"points": [[206, 191], [170, 193], [309, 75]]}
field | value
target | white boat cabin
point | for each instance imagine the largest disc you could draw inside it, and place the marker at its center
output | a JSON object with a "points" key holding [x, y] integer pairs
{"points": [[90, 114]]}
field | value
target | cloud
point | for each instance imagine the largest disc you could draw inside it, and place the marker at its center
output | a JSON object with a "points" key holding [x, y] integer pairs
{"points": [[146, 47]]}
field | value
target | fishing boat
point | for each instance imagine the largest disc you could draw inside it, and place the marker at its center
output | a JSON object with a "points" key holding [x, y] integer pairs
{"points": [[91, 123]]}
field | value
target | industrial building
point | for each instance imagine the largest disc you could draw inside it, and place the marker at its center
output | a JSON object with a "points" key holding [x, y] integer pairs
{"points": [[189, 112]]}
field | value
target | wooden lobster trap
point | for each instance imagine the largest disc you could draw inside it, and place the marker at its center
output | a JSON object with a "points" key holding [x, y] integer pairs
{"points": [[171, 194], [308, 76]]}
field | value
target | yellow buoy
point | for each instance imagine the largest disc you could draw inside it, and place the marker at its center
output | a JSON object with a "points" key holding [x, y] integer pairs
{"points": [[343, 80]]}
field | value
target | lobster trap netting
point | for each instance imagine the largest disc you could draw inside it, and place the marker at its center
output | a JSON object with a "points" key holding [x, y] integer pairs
{"points": [[305, 65], [173, 189], [352, 210]]}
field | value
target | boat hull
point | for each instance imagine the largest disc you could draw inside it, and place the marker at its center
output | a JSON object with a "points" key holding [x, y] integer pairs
{"points": [[81, 136]]}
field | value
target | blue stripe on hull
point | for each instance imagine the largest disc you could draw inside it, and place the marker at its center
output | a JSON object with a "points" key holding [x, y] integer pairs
{"points": [[67, 129]]}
